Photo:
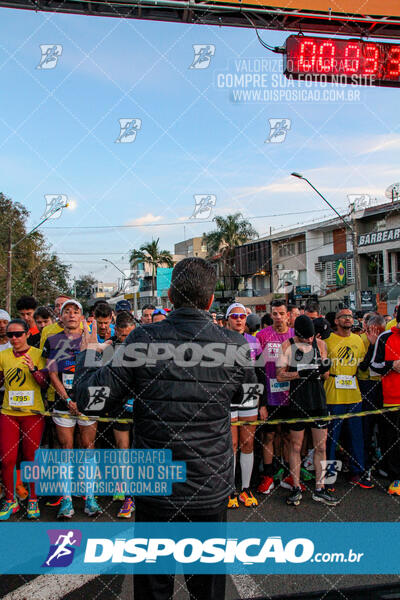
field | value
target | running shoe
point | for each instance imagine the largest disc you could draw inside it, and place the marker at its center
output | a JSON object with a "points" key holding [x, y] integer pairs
{"points": [[394, 488], [266, 486], [288, 484], [246, 497], [8, 508], [126, 510], [33, 509], [363, 482], [325, 496], [66, 510], [233, 501], [119, 498], [21, 492], [294, 497], [91, 507]]}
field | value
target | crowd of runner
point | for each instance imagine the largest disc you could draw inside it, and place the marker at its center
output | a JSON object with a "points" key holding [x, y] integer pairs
{"points": [[307, 366]]}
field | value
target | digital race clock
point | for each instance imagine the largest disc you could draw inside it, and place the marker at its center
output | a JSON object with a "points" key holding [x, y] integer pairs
{"points": [[344, 61]]}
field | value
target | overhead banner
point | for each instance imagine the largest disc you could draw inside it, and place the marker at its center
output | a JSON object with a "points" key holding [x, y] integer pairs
{"points": [[389, 8]]}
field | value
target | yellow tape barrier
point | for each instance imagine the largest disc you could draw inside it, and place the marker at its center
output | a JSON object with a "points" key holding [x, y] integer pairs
{"points": [[364, 413]]}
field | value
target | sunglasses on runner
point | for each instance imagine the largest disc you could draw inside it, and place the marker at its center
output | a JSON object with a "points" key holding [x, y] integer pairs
{"points": [[17, 334], [237, 316]]}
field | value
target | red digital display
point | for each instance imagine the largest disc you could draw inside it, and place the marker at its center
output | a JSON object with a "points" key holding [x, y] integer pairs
{"points": [[347, 61]]}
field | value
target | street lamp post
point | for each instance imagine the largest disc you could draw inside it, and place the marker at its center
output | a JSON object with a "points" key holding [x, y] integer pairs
{"points": [[353, 232], [11, 247]]}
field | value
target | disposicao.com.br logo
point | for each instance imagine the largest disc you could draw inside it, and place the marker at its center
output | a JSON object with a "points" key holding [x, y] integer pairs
{"points": [[192, 550]]}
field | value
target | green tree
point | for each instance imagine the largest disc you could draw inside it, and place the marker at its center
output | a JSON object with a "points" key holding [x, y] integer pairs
{"points": [[231, 231], [83, 288], [36, 270], [151, 254]]}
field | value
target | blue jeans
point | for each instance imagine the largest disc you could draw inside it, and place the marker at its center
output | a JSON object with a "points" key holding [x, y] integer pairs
{"points": [[355, 435]]}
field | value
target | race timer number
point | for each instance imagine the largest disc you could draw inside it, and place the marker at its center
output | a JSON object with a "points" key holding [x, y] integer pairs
{"points": [[345, 61]]}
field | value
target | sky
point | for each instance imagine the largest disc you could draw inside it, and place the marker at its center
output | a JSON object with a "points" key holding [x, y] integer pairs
{"points": [[196, 133]]}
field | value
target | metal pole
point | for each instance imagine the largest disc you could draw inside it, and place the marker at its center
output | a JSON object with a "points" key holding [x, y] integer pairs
{"points": [[9, 272], [353, 230], [356, 261]]}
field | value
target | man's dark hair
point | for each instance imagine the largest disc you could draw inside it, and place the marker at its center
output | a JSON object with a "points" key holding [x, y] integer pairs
{"points": [[43, 312], [26, 303], [312, 307], [291, 307], [102, 311], [124, 319], [330, 317], [21, 322], [148, 306], [266, 320], [192, 283], [278, 302]]}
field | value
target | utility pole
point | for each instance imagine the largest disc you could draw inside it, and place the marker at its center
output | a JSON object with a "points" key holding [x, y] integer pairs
{"points": [[356, 259], [353, 231], [9, 272]]}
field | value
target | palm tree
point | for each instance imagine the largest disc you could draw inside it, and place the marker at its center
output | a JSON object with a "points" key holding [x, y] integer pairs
{"points": [[151, 254], [231, 231]]}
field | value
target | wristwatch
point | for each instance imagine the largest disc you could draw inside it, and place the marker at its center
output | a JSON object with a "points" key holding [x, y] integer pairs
{"points": [[34, 369]]}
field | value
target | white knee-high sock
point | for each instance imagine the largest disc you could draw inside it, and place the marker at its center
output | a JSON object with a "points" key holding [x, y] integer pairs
{"points": [[246, 467]]}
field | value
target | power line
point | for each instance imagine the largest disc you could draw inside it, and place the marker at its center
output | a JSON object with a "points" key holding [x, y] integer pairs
{"points": [[192, 222]]}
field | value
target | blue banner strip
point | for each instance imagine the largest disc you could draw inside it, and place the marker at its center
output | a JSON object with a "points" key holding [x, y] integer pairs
{"points": [[250, 548]]}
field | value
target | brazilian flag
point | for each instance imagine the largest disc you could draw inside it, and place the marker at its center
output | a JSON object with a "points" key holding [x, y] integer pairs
{"points": [[341, 272]]}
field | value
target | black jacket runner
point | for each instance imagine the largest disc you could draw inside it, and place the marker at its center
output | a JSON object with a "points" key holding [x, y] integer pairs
{"points": [[182, 401]]}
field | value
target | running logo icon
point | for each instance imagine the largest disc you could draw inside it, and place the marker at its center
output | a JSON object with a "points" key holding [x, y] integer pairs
{"points": [[98, 396], [330, 470], [54, 205], [278, 130], [202, 56], [62, 547], [359, 201], [128, 130], [203, 205], [50, 55], [251, 393]]}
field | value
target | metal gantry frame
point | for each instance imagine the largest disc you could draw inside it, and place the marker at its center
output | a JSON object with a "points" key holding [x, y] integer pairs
{"points": [[232, 14]]}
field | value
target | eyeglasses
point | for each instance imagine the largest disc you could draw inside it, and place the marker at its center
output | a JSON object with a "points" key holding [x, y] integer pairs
{"points": [[237, 316], [159, 311], [17, 334]]}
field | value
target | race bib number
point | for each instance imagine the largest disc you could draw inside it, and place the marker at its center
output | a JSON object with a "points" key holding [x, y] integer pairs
{"points": [[68, 380], [345, 382], [278, 386], [21, 399]]}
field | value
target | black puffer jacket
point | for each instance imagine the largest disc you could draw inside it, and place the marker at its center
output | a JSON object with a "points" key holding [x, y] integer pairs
{"points": [[181, 402]]}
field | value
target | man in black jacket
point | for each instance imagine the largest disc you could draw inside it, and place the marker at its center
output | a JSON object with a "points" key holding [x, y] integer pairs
{"points": [[188, 373]]}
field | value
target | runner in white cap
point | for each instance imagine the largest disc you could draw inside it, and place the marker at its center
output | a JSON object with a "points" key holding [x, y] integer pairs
{"points": [[247, 410], [4, 321]]}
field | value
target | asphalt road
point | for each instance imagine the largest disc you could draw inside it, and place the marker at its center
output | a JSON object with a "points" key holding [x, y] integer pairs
{"points": [[357, 504]]}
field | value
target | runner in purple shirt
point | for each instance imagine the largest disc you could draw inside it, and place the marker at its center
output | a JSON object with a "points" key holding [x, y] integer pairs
{"points": [[271, 339]]}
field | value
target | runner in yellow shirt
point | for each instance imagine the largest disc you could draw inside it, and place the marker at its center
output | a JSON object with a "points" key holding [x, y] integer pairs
{"points": [[346, 350], [21, 369]]}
